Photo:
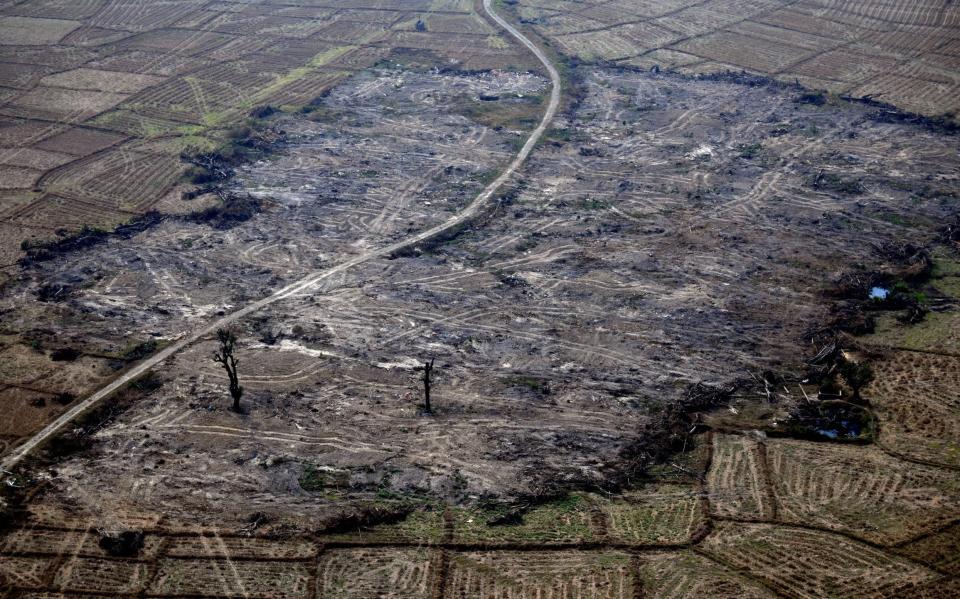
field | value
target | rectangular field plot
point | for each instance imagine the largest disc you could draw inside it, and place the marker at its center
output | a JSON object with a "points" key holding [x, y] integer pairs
{"points": [[79, 141], [746, 52], [917, 12], [20, 133], [769, 33], [109, 81], [807, 23], [54, 103], [567, 520], [914, 95], [33, 158], [669, 514], [224, 577], [17, 177], [376, 572], [305, 89], [455, 24], [238, 547], [63, 9], [843, 65], [188, 99], [812, 564], [24, 572], [86, 574], [695, 21], [686, 575], [564, 23], [145, 61], [916, 396], [595, 45], [140, 15], [635, 9], [58, 542], [30, 31], [906, 42], [21, 76], [128, 122], [646, 35], [117, 179], [941, 550], [558, 575], [53, 210], [860, 490], [735, 479]]}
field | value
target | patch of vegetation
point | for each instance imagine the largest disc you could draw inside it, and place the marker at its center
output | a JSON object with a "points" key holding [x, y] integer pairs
{"points": [[592, 204], [563, 519], [366, 516], [558, 135], [749, 151], [900, 296], [233, 210], [140, 350], [510, 279], [838, 184], [40, 251], [506, 113], [312, 479], [536, 384], [814, 98], [146, 383]]}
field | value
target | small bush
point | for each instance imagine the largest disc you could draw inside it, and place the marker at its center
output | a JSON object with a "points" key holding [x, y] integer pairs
{"points": [[813, 98], [65, 354], [750, 151], [234, 210]]}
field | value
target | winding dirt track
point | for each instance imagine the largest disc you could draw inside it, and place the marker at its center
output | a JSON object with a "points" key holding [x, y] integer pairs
{"points": [[313, 279]]}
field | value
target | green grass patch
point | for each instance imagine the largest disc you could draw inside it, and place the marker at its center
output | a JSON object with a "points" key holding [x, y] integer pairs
{"points": [[939, 331], [561, 521], [424, 525]]}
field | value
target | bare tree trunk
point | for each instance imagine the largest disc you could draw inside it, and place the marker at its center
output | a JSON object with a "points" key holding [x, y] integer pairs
{"points": [[225, 358], [427, 370]]}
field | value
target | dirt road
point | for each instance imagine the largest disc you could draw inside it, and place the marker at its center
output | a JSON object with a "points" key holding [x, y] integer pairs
{"points": [[312, 280]]}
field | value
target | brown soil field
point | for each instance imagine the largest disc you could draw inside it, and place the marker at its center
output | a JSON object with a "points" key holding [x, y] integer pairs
{"points": [[643, 345], [903, 53]]}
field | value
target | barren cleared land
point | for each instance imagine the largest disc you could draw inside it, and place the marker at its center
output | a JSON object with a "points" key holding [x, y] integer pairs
{"points": [[688, 277]]}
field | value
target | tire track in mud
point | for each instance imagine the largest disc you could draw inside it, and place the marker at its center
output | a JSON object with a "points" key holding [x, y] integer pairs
{"points": [[312, 281]]}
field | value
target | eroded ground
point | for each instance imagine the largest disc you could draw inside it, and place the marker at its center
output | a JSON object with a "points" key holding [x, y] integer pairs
{"points": [[670, 231]]}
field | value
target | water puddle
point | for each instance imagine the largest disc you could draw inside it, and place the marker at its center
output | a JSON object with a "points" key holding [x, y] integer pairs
{"points": [[832, 421]]}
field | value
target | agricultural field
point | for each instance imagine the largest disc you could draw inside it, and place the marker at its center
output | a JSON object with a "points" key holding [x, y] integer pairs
{"points": [[99, 98], [692, 332], [901, 53]]}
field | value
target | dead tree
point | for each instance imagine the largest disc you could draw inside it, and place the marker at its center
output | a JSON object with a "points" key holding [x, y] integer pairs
{"points": [[427, 369], [225, 357]]}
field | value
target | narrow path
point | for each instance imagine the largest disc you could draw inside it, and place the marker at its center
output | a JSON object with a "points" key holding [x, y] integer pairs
{"points": [[313, 279]]}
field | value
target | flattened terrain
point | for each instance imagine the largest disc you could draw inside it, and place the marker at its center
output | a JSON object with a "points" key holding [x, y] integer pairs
{"points": [[669, 231]]}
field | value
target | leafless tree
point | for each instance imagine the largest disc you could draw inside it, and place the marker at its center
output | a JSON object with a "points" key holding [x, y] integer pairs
{"points": [[427, 369], [225, 357]]}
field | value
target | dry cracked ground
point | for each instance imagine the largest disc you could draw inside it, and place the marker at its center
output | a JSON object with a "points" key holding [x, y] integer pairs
{"points": [[672, 258]]}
